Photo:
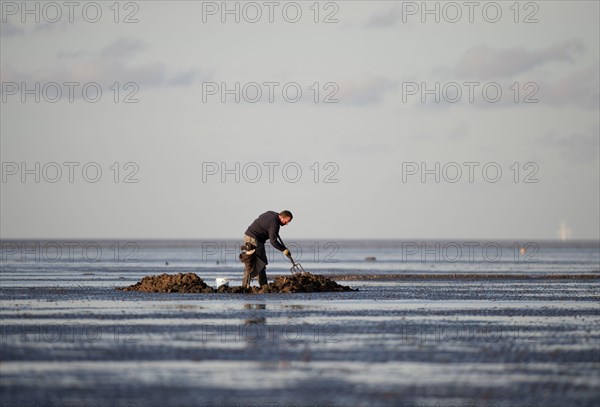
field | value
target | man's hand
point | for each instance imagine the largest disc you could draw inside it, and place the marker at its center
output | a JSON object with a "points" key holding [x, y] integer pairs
{"points": [[287, 253]]}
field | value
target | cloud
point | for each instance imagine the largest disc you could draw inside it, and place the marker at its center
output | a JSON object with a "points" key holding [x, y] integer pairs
{"points": [[122, 48], [111, 64], [580, 88], [48, 25], [365, 91], [183, 78], [8, 29], [576, 148], [71, 54], [456, 134], [484, 62], [384, 19]]}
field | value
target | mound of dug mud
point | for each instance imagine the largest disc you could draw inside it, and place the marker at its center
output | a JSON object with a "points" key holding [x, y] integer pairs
{"points": [[298, 283], [171, 283], [191, 283]]}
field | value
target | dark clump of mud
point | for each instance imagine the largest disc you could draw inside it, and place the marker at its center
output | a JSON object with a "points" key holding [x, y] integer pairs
{"points": [[191, 283], [171, 283], [297, 283]]}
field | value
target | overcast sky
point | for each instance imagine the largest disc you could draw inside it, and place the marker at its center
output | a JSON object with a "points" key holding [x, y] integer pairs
{"points": [[454, 121]]}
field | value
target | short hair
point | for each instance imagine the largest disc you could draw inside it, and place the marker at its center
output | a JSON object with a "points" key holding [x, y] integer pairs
{"points": [[286, 214]]}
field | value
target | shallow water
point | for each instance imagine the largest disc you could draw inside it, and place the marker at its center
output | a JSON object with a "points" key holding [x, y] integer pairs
{"points": [[70, 339]]}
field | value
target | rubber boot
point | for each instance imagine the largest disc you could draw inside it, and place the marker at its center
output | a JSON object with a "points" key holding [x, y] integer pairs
{"points": [[262, 277]]}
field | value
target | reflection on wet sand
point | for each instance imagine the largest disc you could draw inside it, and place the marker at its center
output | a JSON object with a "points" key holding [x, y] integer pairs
{"points": [[255, 319]]}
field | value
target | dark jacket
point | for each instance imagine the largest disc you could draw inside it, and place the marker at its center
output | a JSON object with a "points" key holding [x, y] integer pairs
{"points": [[266, 226]]}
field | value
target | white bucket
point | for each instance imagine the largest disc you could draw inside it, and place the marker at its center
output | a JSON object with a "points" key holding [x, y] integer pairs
{"points": [[222, 281]]}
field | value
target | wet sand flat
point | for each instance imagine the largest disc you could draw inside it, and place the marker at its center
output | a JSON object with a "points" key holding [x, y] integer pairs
{"points": [[507, 341]]}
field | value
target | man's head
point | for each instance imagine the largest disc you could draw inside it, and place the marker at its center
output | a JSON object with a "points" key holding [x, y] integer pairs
{"points": [[285, 217]]}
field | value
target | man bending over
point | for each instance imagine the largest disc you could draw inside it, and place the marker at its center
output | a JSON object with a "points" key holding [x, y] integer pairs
{"points": [[253, 255]]}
